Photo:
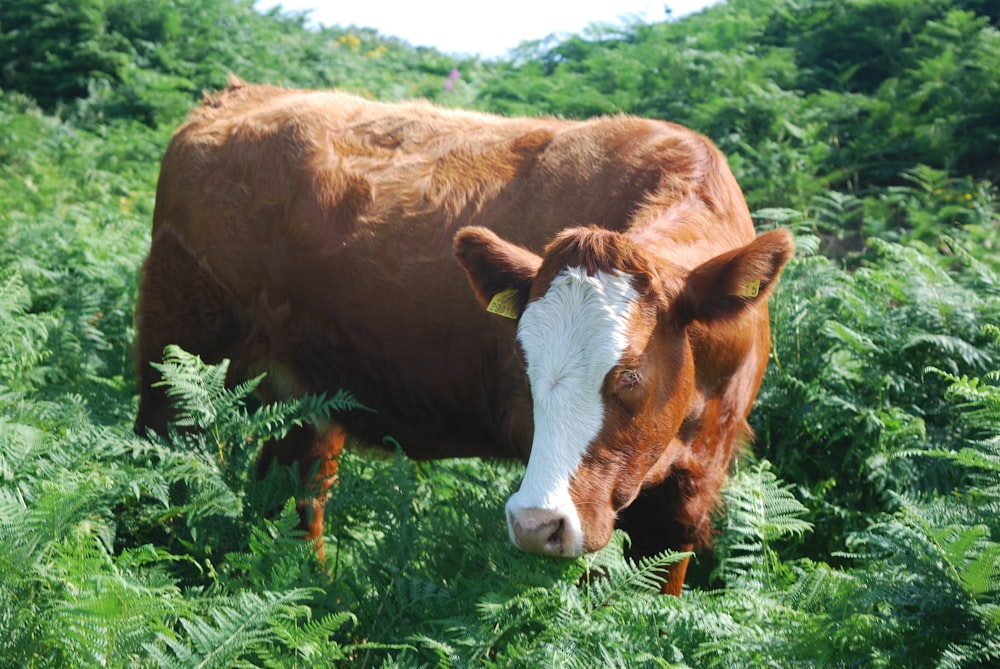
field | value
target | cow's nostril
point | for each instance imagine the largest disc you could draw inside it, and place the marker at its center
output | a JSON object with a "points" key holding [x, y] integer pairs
{"points": [[555, 538]]}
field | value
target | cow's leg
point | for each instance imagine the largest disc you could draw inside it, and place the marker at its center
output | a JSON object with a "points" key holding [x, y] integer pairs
{"points": [[673, 582], [317, 452], [181, 303], [659, 520]]}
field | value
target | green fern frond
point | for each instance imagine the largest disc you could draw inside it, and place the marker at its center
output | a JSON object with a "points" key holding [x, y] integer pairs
{"points": [[446, 653], [202, 401], [22, 335], [198, 390], [213, 453], [277, 558], [766, 503], [934, 572], [974, 652], [815, 588], [114, 605], [311, 642], [985, 276], [973, 458], [950, 345], [272, 421], [760, 509], [611, 578], [978, 400], [232, 632], [981, 571], [97, 602], [20, 444]]}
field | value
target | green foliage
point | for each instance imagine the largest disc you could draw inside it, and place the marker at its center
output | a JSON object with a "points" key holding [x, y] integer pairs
{"points": [[849, 388], [22, 338], [205, 402], [79, 589], [760, 509], [150, 60], [54, 50], [801, 95], [246, 626], [215, 499], [863, 532]]}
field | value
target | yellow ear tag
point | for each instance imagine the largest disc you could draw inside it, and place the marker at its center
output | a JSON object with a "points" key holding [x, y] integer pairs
{"points": [[751, 288], [504, 304]]}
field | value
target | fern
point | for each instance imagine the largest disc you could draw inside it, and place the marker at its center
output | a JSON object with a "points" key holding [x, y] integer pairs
{"points": [[849, 390], [275, 579], [939, 558], [273, 421], [973, 557], [972, 652], [610, 578], [312, 642], [978, 400], [760, 510], [114, 605], [214, 443], [22, 338], [232, 631], [203, 401], [614, 606], [197, 390], [82, 601], [275, 558], [949, 545], [914, 571]]}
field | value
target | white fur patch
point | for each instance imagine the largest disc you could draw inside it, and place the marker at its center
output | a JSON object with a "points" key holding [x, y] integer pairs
{"points": [[571, 338]]}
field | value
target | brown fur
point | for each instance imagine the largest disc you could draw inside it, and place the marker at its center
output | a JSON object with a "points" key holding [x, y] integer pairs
{"points": [[311, 235]]}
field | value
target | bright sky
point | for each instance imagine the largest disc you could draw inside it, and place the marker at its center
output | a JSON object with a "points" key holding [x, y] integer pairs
{"points": [[488, 29]]}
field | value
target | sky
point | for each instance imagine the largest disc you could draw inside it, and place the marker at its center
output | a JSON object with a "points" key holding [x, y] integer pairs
{"points": [[488, 29]]}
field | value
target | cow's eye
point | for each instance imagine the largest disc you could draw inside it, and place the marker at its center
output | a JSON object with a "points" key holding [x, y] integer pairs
{"points": [[628, 379]]}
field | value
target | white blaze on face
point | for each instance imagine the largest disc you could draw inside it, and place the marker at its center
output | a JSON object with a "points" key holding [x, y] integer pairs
{"points": [[571, 338]]}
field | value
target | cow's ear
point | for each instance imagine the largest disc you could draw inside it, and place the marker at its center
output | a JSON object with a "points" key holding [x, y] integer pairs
{"points": [[500, 272], [726, 285]]}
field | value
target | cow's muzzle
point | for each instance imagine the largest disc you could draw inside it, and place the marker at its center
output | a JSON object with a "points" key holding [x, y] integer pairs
{"points": [[546, 531]]}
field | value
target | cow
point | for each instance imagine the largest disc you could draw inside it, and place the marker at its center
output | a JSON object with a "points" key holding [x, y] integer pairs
{"points": [[587, 296]]}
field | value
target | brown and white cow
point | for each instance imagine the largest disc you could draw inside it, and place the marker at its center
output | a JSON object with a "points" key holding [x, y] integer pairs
{"points": [[614, 338]]}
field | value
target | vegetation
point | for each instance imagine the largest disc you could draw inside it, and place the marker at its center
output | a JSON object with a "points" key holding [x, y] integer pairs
{"points": [[862, 528]]}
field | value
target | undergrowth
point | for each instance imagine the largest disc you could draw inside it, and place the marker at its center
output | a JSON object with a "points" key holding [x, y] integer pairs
{"points": [[128, 551]]}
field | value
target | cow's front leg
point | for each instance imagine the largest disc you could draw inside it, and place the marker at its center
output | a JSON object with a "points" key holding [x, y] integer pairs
{"points": [[317, 451], [659, 520]]}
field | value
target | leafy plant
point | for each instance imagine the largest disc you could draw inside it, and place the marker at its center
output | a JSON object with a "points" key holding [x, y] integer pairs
{"points": [[848, 389], [759, 510]]}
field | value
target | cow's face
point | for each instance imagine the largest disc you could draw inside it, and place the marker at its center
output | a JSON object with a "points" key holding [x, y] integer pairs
{"points": [[602, 335]]}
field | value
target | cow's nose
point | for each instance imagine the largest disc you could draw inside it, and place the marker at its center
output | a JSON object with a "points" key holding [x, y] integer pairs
{"points": [[538, 530]]}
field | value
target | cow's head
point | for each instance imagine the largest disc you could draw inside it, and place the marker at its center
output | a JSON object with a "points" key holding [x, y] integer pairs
{"points": [[602, 334]]}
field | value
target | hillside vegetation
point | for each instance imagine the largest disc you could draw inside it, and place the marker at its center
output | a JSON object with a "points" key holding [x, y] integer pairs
{"points": [[862, 528]]}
